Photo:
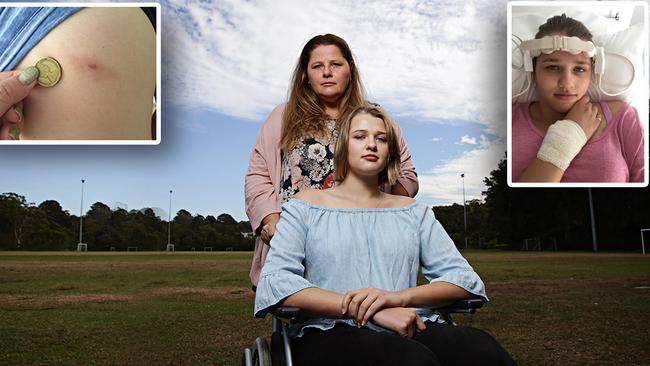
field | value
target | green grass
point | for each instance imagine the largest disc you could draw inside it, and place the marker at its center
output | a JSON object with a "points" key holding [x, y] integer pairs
{"points": [[196, 308]]}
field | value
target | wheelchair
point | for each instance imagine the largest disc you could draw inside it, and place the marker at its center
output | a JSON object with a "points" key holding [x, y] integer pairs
{"points": [[278, 353]]}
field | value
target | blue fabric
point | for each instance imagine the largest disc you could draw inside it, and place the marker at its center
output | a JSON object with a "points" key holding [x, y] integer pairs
{"points": [[21, 28], [347, 249]]}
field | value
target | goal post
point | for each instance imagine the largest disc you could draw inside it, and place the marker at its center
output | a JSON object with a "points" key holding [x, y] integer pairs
{"points": [[532, 244], [643, 241]]}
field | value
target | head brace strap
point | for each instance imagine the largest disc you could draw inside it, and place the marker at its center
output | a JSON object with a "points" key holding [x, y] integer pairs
{"points": [[550, 44]]}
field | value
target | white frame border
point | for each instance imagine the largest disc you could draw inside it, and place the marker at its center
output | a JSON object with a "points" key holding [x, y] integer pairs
{"points": [[158, 75], [509, 92]]}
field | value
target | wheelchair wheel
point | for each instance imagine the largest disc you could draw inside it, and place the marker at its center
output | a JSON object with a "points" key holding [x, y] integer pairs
{"points": [[247, 359], [261, 353], [277, 350]]}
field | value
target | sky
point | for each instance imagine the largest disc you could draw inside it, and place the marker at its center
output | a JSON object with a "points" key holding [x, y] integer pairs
{"points": [[437, 66]]}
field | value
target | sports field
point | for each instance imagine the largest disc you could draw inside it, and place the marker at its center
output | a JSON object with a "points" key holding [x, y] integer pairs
{"points": [[196, 308]]}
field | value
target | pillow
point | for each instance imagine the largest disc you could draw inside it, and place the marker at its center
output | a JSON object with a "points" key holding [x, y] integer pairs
{"points": [[623, 58]]}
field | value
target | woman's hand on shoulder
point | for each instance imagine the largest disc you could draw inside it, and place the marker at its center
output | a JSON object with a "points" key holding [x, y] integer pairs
{"points": [[404, 321], [362, 304]]}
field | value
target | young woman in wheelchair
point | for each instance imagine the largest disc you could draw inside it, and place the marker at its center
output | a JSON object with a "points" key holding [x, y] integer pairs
{"points": [[349, 257]]}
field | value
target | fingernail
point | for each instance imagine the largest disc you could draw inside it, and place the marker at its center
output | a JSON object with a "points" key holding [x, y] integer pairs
{"points": [[14, 133], [28, 75], [19, 112]]}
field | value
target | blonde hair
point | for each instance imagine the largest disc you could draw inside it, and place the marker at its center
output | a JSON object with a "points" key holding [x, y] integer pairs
{"points": [[304, 113], [390, 173]]}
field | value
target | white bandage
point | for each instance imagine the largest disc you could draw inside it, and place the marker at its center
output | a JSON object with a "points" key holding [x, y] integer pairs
{"points": [[563, 141]]}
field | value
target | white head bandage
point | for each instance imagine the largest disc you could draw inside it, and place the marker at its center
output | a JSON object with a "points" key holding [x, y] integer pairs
{"points": [[549, 44], [574, 45]]}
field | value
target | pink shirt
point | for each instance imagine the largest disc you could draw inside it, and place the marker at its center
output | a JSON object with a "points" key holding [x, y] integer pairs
{"points": [[616, 155], [262, 183]]}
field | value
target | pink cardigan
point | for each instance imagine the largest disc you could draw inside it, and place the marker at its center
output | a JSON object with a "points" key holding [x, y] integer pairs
{"points": [[262, 182]]}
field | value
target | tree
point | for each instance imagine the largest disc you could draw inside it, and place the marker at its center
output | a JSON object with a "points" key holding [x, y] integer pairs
{"points": [[56, 214], [226, 219], [13, 208]]}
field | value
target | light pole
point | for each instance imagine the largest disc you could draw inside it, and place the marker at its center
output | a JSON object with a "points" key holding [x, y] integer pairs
{"points": [[593, 222], [462, 176], [169, 223], [81, 245]]}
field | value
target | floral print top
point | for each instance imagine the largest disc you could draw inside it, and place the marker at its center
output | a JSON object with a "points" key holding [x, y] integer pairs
{"points": [[310, 164]]}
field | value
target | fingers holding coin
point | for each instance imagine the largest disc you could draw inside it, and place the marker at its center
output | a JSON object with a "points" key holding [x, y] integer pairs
{"points": [[15, 86], [11, 123]]}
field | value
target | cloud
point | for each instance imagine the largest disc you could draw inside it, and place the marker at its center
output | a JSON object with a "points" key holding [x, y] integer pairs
{"points": [[432, 61], [436, 139], [465, 139], [442, 185]]}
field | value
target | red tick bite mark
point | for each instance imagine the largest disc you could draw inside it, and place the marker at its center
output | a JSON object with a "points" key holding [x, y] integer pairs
{"points": [[92, 66]]}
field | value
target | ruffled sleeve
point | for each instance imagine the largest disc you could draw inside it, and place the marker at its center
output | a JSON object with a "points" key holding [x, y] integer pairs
{"points": [[439, 258], [283, 271]]}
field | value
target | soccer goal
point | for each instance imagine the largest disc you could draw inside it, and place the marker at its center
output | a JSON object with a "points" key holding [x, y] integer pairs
{"points": [[644, 233], [82, 247], [532, 244]]}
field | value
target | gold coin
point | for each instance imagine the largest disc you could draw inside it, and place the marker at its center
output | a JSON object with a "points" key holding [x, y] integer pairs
{"points": [[49, 71]]}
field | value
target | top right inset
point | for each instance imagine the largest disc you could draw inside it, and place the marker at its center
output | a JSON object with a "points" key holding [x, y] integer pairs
{"points": [[578, 86]]}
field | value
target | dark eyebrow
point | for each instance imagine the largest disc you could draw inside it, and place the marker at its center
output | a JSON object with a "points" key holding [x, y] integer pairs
{"points": [[558, 60], [366, 131]]}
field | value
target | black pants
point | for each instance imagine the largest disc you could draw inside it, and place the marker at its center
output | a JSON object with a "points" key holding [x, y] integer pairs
{"points": [[439, 344]]}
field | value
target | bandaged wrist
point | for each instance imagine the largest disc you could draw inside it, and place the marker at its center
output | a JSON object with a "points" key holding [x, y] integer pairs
{"points": [[563, 141]]}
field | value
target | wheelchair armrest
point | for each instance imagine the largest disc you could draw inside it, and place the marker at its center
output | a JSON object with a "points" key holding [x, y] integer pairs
{"points": [[460, 306], [286, 312], [468, 306], [294, 315]]}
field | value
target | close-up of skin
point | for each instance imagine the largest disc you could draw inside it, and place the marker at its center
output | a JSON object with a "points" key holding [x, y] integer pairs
{"points": [[108, 61]]}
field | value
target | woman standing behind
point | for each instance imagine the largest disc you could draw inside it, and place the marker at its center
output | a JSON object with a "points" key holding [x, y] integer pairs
{"points": [[295, 147]]}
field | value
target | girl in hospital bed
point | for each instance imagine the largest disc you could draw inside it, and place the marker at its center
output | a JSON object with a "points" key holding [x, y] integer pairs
{"points": [[564, 136]]}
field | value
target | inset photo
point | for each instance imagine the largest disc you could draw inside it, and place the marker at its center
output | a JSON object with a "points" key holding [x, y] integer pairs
{"points": [[79, 74], [578, 88]]}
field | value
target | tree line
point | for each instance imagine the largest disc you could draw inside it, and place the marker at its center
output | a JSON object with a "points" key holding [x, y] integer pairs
{"points": [[508, 216], [25, 226], [504, 218]]}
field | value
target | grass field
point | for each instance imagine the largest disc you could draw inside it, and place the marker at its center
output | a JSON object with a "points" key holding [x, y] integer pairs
{"points": [[196, 308]]}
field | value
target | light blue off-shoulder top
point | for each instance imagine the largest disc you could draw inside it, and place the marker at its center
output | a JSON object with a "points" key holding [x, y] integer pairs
{"points": [[343, 249], [22, 27]]}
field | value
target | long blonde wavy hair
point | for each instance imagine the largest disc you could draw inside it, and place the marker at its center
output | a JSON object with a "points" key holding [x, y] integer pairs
{"points": [[304, 113]]}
